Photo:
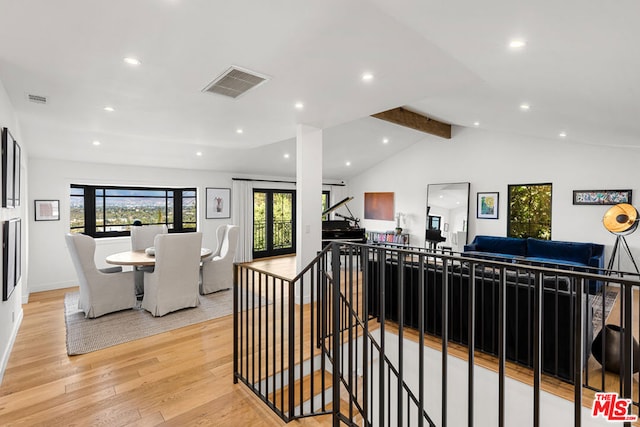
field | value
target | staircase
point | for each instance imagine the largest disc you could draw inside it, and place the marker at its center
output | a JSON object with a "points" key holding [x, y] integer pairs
{"points": [[308, 346], [291, 334]]}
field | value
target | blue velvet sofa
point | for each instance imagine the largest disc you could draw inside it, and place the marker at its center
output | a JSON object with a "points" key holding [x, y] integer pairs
{"points": [[550, 253]]}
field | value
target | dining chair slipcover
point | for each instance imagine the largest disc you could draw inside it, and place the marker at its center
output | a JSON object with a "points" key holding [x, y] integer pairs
{"points": [[142, 238], [101, 291], [217, 271], [174, 282]]}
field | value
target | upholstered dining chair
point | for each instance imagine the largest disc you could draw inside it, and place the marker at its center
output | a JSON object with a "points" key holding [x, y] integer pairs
{"points": [[217, 271], [174, 282], [101, 291], [142, 238]]}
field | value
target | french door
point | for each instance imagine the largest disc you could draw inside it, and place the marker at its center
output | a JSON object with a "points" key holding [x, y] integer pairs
{"points": [[274, 222]]}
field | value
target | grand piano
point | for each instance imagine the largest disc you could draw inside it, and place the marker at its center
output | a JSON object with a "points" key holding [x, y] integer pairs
{"points": [[345, 230]]}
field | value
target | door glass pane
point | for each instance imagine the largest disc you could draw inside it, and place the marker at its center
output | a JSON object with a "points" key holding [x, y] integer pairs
{"points": [[282, 220], [325, 204], [259, 221]]}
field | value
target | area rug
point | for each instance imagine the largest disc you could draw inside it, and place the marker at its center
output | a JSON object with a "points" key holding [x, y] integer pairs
{"points": [[596, 304], [87, 335]]}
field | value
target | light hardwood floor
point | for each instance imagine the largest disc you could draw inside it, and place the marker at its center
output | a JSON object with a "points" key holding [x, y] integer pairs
{"points": [[178, 378], [182, 377]]}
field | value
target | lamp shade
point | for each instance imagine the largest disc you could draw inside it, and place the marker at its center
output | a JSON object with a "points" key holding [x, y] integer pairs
{"points": [[621, 219]]}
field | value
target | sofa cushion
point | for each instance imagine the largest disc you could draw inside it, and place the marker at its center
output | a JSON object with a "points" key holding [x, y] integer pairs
{"points": [[501, 245], [554, 262], [552, 249], [492, 256]]}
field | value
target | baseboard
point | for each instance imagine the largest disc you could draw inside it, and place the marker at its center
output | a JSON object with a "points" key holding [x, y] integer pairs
{"points": [[52, 286], [12, 340]]}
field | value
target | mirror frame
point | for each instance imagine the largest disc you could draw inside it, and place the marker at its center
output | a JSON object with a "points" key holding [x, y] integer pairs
{"points": [[432, 190]]}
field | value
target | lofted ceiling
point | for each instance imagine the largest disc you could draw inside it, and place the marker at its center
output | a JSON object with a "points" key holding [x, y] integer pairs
{"points": [[449, 60]]}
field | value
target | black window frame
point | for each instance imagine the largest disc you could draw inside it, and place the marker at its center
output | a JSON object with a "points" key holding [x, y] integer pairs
{"points": [[175, 226]]}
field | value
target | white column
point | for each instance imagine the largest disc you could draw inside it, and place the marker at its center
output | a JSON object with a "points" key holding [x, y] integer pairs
{"points": [[308, 195]]}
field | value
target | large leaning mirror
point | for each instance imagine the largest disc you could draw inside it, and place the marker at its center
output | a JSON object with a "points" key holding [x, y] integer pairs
{"points": [[447, 216]]}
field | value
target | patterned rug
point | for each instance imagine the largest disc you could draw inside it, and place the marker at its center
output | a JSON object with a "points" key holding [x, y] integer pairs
{"points": [[596, 304], [87, 335]]}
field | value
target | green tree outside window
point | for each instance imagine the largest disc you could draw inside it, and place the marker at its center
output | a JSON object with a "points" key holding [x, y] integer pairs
{"points": [[530, 211]]}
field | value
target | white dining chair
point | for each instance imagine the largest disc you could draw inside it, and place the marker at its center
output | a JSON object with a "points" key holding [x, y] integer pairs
{"points": [[101, 291], [173, 284], [142, 237], [217, 271]]}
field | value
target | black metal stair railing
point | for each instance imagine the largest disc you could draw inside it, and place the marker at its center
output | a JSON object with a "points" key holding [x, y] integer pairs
{"points": [[286, 348], [276, 353], [364, 395], [334, 340]]}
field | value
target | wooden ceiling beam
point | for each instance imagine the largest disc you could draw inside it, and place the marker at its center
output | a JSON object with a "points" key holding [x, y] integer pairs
{"points": [[404, 117]]}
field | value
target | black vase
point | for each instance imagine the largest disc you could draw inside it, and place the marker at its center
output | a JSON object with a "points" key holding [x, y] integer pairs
{"points": [[612, 359]]}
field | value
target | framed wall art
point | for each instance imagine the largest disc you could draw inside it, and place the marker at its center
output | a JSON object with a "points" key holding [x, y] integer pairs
{"points": [[47, 210], [378, 206], [601, 197], [10, 170], [218, 203], [487, 207], [11, 257]]}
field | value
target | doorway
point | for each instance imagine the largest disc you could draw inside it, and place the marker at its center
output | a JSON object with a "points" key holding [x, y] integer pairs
{"points": [[274, 223]]}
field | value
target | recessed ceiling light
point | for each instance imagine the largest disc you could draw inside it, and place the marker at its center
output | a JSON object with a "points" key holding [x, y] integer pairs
{"points": [[239, 130], [562, 134], [367, 77], [199, 153], [299, 105], [517, 44], [476, 123], [385, 140], [525, 107], [109, 109], [348, 163], [132, 61], [286, 155], [96, 143]]}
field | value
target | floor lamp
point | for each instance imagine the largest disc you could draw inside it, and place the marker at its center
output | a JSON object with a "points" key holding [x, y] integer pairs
{"points": [[621, 220]]}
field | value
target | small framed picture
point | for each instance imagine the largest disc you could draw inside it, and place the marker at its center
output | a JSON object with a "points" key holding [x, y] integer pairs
{"points": [[487, 205], [601, 197], [218, 203], [47, 210]]}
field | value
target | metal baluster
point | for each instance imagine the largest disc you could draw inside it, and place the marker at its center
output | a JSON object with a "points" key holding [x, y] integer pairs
{"points": [[502, 307], [577, 361], [445, 338]]}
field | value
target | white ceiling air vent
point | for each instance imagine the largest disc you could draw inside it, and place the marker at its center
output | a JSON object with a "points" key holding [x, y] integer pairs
{"points": [[39, 99], [235, 82]]}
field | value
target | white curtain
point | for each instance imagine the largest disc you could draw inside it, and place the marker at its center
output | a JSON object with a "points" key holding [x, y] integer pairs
{"points": [[243, 216]]}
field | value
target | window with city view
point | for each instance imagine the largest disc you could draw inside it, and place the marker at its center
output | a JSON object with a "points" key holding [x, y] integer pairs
{"points": [[107, 211]]}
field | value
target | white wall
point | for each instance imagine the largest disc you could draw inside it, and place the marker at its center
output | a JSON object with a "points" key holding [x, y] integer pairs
{"points": [[50, 265], [11, 310], [490, 162]]}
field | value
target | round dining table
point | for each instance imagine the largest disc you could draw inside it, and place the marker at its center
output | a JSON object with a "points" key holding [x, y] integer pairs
{"points": [[141, 258]]}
